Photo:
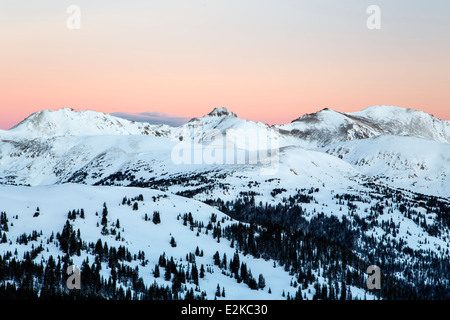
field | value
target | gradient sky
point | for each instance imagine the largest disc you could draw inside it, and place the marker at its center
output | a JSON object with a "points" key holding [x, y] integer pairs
{"points": [[265, 60]]}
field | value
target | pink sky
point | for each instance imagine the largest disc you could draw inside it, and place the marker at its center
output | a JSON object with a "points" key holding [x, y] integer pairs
{"points": [[267, 65]]}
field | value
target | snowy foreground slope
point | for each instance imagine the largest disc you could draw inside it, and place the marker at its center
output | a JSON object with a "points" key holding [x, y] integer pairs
{"points": [[54, 203], [308, 205]]}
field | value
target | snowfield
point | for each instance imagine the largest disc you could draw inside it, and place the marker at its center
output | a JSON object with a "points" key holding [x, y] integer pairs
{"points": [[54, 203], [327, 195]]}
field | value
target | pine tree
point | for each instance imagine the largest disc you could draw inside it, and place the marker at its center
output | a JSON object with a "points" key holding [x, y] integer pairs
{"points": [[244, 272], [194, 274], [202, 271], [298, 295], [343, 291], [168, 273], [156, 217], [218, 291], [261, 282], [216, 258], [224, 261], [104, 221]]}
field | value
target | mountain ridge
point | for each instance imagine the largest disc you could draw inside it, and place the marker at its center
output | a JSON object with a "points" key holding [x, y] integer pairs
{"points": [[69, 151], [327, 126], [317, 129]]}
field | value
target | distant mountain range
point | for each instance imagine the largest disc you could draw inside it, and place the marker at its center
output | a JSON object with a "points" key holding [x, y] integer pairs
{"points": [[402, 147]]}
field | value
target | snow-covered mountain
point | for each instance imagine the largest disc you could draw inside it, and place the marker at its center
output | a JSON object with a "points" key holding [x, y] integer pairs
{"points": [[67, 122], [364, 181], [327, 127], [65, 145]]}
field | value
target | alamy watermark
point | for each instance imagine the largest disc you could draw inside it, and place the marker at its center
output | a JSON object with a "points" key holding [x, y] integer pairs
{"points": [[74, 280], [73, 22], [374, 20], [374, 279]]}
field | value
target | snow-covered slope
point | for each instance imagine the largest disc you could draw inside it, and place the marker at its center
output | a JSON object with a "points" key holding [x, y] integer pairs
{"points": [[401, 161], [45, 210]]}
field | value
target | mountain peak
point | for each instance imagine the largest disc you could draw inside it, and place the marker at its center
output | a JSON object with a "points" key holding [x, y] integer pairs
{"points": [[316, 116], [222, 112]]}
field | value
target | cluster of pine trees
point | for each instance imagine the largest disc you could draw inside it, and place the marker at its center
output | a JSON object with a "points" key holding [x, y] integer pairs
{"points": [[340, 247], [3, 227]]}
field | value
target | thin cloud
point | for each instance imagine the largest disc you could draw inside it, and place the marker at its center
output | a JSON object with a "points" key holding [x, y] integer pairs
{"points": [[152, 117]]}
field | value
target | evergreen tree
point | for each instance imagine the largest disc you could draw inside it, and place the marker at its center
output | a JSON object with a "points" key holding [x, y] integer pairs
{"points": [[261, 282], [156, 217], [343, 291], [104, 221], [194, 274], [216, 258], [202, 271], [218, 291]]}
